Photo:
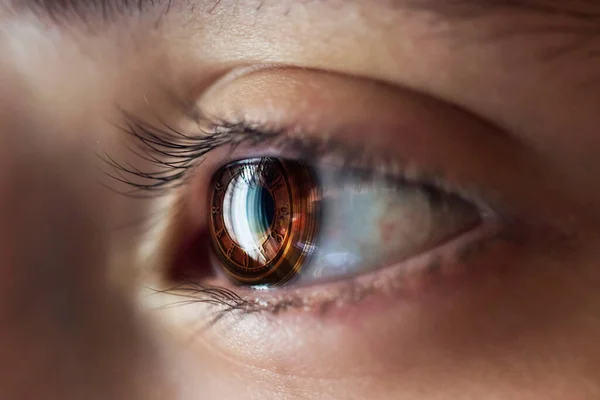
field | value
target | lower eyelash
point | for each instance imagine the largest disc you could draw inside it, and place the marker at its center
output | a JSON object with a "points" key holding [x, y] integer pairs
{"points": [[198, 293]]}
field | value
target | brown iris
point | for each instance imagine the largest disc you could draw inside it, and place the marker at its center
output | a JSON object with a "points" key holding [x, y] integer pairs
{"points": [[263, 219]]}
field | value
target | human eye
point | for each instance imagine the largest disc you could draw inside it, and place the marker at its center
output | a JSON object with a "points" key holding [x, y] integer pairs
{"points": [[286, 207], [276, 222]]}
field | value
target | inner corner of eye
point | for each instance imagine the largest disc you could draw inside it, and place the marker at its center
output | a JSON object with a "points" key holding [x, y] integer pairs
{"points": [[190, 261], [274, 222]]}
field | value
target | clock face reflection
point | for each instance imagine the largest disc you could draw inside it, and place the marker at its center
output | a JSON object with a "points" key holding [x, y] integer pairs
{"points": [[263, 219]]}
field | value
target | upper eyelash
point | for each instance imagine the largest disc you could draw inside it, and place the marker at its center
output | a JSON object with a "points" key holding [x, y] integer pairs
{"points": [[170, 151], [173, 153]]}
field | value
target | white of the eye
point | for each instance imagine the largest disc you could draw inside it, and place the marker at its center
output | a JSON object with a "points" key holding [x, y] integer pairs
{"points": [[367, 226], [341, 258], [338, 263]]}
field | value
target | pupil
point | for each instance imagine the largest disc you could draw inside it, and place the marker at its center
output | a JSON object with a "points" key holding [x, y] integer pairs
{"points": [[260, 211], [268, 207]]}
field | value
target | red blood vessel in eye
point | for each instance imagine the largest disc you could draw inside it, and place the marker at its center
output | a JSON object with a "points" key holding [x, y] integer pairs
{"points": [[263, 219]]}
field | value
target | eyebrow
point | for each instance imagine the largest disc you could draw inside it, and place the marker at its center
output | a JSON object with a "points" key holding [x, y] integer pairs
{"points": [[107, 10], [86, 10]]}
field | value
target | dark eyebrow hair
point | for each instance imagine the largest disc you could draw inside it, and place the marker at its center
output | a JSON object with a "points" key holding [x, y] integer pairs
{"points": [[571, 8], [88, 10], [113, 9]]}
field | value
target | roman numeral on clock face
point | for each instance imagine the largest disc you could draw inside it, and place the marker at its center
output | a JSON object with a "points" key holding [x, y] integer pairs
{"points": [[245, 259], [230, 250], [276, 183]]}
